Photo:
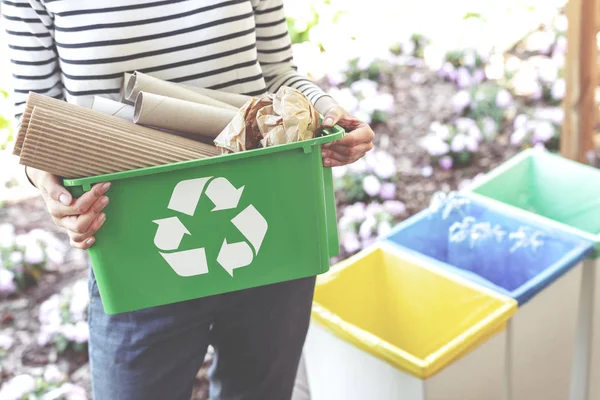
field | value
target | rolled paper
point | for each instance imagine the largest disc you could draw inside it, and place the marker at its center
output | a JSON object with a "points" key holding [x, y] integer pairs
{"points": [[145, 83], [58, 106], [126, 78], [74, 147], [111, 107], [180, 115], [234, 99]]}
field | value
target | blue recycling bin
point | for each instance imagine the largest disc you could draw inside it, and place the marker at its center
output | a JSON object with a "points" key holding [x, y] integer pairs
{"points": [[544, 279]]}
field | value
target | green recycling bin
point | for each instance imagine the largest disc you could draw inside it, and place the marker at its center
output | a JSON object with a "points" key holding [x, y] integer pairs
{"points": [[204, 227], [565, 194]]}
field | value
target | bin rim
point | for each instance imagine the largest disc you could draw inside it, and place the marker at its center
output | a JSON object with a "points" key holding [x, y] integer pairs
{"points": [[582, 249], [422, 368], [470, 190], [329, 135]]}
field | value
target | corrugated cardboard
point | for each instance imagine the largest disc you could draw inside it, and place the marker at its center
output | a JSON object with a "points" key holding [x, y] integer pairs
{"points": [[75, 147], [145, 83], [107, 120], [180, 115]]}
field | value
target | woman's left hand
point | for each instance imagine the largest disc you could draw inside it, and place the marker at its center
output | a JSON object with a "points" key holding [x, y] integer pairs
{"points": [[353, 146]]}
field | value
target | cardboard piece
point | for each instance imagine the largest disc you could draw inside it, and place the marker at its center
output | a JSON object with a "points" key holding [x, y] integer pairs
{"points": [[180, 115], [145, 83], [108, 120], [74, 147], [111, 107]]}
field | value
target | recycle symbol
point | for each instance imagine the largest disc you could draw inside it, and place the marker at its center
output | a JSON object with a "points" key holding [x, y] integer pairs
{"points": [[225, 196]]}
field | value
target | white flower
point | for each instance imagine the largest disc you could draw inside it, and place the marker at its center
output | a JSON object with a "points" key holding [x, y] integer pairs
{"points": [[55, 256], [463, 78], [469, 59], [364, 87], [543, 132], [559, 89], [381, 163], [7, 235], [367, 228], [471, 143], [17, 387], [374, 209], [520, 121], [34, 254], [358, 167], [458, 143], [461, 101], [503, 98], [561, 23], [16, 257], [475, 133], [6, 341], [394, 207], [356, 211], [427, 171], [434, 145], [388, 191], [52, 374], [409, 47], [81, 332], [518, 136], [489, 127], [7, 283], [465, 124], [371, 185], [363, 116], [350, 242], [384, 228], [67, 391], [440, 130], [345, 98], [548, 71], [339, 172]]}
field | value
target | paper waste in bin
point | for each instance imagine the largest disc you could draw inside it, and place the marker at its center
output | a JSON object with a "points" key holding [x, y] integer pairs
{"points": [[203, 227], [387, 326]]}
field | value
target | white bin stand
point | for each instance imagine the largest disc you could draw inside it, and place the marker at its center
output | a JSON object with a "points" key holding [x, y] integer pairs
{"points": [[338, 370]]}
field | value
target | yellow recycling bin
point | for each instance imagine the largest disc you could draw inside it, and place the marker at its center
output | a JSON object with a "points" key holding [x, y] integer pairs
{"points": [[387, 326]]}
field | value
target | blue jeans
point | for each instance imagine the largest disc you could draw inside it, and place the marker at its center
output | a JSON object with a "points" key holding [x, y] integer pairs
{"points": [[155, 353]]}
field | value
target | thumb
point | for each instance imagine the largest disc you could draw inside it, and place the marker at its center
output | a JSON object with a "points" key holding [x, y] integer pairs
{"points": [[51, 184], [333, 116]]}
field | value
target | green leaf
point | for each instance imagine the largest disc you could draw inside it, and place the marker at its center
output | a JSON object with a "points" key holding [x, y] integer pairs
{"points": [[62, 343]]}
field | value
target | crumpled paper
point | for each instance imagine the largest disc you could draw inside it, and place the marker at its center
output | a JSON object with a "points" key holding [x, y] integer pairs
{"points": [[285, 117]]}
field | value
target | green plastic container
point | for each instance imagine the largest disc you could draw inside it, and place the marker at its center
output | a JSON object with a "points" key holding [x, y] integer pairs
{"points": [[203, 227], [559, 190]]}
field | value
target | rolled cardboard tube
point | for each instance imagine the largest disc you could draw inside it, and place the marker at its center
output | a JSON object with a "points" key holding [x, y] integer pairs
{"points": [[122, 99], [111, 107], [145, 83], [180, 115], [233, 99]]}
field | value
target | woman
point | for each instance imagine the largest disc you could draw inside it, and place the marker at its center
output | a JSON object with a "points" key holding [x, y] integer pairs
{"points": [[75, 49]]}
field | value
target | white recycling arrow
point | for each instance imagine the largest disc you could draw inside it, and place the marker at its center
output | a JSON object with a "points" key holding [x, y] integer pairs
{"points": [[234, 255], [223, 194], [188, 262], [169, 233], [186, 195], [252, 225]]}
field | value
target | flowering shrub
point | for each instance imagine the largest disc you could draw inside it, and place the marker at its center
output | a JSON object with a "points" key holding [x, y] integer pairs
{"points": [[50, 386], [5, 126], [63, 319], [464, 67], [452, 145], [23, 257], [538, 128], [361, 224], [370, 178], [363, 100]]}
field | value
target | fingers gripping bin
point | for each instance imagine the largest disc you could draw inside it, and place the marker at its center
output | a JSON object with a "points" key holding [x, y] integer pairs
{"points": [[564, 194], [199, 228], [545, 283], [386, 326]]}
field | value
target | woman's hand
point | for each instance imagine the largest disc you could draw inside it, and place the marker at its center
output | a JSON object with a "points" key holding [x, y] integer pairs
{"points": [[81, 217], [354, 145]]}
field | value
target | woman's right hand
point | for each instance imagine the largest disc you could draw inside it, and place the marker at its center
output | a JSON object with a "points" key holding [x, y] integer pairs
{"points": [[81, 217]]}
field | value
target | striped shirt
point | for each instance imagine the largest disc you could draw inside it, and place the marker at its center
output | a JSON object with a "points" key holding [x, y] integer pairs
{"points": [[75, 49]]}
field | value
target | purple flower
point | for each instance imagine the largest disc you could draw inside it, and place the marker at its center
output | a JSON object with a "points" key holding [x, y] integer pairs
{"points": [[461, 101], [478, 76], [458, 143], [52, 374], [503, 98], [371, 185], [388, 191], [394, 207], [350, 243], [435, 146], [543, 132], [446, 163], [471, 143], [7, 282], [448, 71], [463, 78], [559, 88]]}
